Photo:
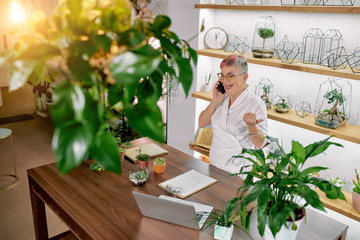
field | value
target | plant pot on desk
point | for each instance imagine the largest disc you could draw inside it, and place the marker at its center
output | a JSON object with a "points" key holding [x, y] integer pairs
{"points": [[223, 233], [356, 201], [159, 168]]}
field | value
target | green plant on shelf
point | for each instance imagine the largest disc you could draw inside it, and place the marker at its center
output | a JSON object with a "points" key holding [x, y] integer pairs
{"points": [[207, 79], [265, 33], [356, 182], [266, 89]]}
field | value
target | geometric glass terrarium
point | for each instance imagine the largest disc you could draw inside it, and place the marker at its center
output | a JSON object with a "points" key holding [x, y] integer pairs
{"points": [[237, 44], [330, 40], [312, 45], [333, 103], [353, 61], [303, 109], [264, 90], [288, 51], [335, 58], [263, 45], [339, 2], [282, 103]]}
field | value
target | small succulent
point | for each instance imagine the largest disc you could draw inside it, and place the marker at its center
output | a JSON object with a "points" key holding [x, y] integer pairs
{"points": [[142, 156]]}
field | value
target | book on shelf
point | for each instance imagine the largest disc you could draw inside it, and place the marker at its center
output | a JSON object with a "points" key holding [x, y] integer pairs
{"points": [[152, 149], [187, 183]]}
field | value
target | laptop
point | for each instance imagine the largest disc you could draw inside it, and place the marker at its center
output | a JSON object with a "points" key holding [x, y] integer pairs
{"points": [[173, 210]]}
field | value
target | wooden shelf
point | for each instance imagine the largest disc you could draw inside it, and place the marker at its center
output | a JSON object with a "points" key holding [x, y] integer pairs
{"points": [[340, 206], [348, 132], [275, 62], [288, 8]]}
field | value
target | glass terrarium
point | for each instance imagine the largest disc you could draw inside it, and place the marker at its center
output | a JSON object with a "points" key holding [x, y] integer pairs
{"points": [[264, 90], [354, 61], [333, 103], [282, 103], [303, 109], [339, 2], [332, 39], [288, 51], [335, 58], [312, 45], [263, 45], [237, 44]]}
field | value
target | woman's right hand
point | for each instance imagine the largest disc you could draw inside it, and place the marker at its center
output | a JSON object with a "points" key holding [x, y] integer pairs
{"points": [[217, 96]]}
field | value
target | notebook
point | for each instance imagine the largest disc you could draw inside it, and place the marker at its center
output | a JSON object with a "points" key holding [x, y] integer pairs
{"points": [[152, 149], [173, 210]]}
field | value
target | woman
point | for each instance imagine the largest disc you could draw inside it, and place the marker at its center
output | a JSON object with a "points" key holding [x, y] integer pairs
{"points": [[238, 117]]}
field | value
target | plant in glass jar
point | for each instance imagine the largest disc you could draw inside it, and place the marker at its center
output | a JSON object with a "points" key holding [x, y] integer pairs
{"points": [[264, 42], [283, 187], [282, 103]]}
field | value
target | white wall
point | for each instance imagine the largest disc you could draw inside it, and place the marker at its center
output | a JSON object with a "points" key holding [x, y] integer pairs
{"points": [[181, 113]]}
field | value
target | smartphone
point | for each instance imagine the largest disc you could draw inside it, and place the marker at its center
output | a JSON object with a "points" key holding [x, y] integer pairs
{"points": [[220, 88]]}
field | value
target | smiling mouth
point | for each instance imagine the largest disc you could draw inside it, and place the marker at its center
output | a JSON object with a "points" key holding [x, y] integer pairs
{"points": [[228, 86]]}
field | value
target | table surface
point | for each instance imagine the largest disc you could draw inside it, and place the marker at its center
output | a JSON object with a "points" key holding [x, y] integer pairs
{"points": [[100, 205]]}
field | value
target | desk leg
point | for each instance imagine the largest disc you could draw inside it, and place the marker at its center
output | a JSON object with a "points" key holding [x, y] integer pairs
{"points": [[39, 214]]}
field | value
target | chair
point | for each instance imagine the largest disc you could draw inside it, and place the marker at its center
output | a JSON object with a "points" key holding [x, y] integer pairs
{"points": [[5, 133], [203, 141]]}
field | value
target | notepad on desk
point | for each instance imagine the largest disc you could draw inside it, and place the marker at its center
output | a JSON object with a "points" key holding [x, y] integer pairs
{"points": [[152, 149], [188, 183]]}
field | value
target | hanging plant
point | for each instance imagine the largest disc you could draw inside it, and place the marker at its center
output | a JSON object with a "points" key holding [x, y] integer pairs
{"points": [[103, 66]]}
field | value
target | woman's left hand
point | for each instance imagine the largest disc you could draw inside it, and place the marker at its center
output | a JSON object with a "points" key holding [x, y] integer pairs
{"points": [[250, 119]]}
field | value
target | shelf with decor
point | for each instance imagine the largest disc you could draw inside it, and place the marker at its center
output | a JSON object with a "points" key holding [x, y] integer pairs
{"points": [[275, 62], [287, 8], [348, 132]]}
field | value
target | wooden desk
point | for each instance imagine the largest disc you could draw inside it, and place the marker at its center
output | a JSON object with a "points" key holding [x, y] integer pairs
{"points": [[100, 205]]}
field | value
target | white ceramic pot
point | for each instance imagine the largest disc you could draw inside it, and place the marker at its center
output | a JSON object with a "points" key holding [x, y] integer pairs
{"points": [[205, 88], [356, 201], [284, 233], [223, 233]]}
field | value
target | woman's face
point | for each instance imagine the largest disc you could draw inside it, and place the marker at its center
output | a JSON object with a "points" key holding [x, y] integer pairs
{"points": [[234, 83]]}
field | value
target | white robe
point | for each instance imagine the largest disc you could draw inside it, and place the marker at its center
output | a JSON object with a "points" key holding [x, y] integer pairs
{"points": [[230, 133]]}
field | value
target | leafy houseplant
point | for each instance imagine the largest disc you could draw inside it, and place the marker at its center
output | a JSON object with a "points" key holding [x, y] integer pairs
{"points": [[265, 33], [206, 86], [283, 186], [356, 192], [159, 165], [265, 29], [103, 66], [225, 220], [143, 159]]}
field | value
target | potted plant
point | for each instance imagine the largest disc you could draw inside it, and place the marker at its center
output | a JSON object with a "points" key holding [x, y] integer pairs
{"points": [[138, 176], [356, 192], [90, 49], [224, 221], [159, 165], [265, 96], [206, 87], [143, 159], [283, 187]]}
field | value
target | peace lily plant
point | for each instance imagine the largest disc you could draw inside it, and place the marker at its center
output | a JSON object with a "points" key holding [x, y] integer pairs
{"points": [[100, 58], [281, 186]]}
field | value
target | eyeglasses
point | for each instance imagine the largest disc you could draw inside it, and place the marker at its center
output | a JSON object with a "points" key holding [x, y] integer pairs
{"points": [[228, 76]]}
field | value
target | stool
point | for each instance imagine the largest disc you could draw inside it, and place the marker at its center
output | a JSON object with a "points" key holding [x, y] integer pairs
{"points": [[5, 133]]}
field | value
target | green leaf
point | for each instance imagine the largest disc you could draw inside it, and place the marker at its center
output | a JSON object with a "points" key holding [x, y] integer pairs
{"points": [[193, 55], [298, 152], [132, 38], [104, 42], [312, 169], [262, 210], [74, 6], [5, 56], [20, 71], [145, 118], [319, 147], [105, 151], [81, 70], [70, 144], [130, 67], [80, 48], [185, 73], [161, 22], [38, 74], [40, 51], [277, 218], [116, 93]]}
